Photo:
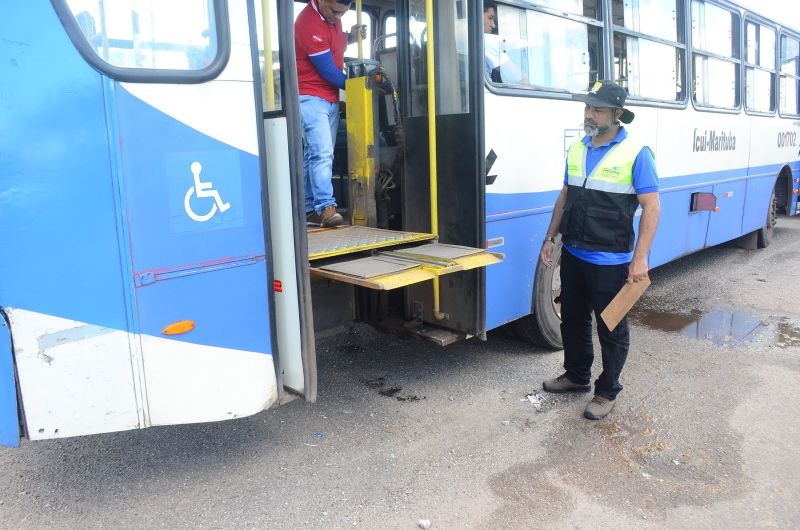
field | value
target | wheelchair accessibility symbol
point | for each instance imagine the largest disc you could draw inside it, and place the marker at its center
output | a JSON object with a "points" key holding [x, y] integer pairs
{"points": [[203, 190]]}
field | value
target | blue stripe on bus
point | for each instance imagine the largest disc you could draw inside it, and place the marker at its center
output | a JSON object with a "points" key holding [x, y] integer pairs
{"points": [[521, 220], [501, 205], [228, 306]]}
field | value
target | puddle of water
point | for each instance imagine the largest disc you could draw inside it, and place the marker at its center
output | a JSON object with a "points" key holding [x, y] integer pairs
{"points": [[723, 328]]}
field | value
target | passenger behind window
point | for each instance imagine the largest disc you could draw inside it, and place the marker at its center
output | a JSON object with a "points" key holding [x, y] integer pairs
{"points": [[498, 63]]}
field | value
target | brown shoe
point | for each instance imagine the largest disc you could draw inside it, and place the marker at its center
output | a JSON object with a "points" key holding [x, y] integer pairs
{"points": [[598, 408], [330, 217], [562, 384], [313, 218]]}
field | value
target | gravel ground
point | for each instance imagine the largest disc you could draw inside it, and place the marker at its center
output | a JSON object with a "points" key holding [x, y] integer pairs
{"points": [[703, 436]]}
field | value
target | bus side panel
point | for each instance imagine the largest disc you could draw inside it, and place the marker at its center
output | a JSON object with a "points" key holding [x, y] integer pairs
{"points": [[63, 282], [756, 204], [198, 258], [516, 224], [57, 214], [9, 422], [726, 224], [75, 378], [526, 178], [509, 284], [221, 369], [193, 197], [680, 231]]}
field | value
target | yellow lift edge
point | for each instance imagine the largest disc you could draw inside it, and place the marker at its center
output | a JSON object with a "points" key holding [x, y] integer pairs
{"points": [[387, 269]]}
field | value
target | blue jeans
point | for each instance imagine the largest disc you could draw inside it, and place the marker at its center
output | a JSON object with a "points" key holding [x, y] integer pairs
{"points": [[320, 122]]}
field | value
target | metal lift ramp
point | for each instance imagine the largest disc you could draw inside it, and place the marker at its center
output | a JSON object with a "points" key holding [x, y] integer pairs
{"points": [[387, 259]]}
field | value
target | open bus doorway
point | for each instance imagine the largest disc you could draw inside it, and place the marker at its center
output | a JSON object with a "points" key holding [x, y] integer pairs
{"points": [[384, 266]]}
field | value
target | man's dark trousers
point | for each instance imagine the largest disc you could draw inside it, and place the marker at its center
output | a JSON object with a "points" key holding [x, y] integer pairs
{"points": [[586, 287]]}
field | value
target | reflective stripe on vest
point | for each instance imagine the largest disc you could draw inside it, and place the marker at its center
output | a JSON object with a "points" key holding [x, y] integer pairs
{"points": [[614, 172]]}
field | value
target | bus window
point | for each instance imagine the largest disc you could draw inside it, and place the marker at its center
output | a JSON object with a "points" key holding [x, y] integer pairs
{"points": [[789, 88], [759, 68], [148, 34], [269, 55], [575, 7], [648, 68], [657, 18], [452, 57], [544, 51], [715, 48], [416, 29], [348, 21]]}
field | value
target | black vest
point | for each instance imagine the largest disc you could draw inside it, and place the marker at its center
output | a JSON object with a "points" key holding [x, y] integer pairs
{"points": [[598, 220]]}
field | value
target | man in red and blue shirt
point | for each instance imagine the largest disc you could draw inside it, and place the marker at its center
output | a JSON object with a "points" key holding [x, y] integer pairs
{"points": [[319, 46]]}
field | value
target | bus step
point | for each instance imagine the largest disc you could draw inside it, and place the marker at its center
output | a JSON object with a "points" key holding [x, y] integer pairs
{"points": [[392, 269], [331, 242], [442, 337]]}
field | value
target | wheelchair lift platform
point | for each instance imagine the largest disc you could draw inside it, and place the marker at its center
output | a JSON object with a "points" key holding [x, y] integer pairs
{"points": [[387, 259]]}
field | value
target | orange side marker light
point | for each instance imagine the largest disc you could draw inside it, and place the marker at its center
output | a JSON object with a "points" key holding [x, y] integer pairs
{"points": [[178, 328]]}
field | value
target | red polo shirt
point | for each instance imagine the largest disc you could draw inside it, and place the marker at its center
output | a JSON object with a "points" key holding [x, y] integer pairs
{"points": [[313, 35]]}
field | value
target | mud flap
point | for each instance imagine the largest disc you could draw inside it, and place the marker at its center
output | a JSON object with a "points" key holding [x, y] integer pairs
{"points": [[9, 422]]}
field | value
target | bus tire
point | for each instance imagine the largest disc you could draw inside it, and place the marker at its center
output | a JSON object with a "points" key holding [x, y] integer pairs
{"points": [[765, 233], [543, 326]]}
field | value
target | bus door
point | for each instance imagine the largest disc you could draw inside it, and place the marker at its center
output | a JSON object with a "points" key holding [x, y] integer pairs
{"points": [[278, 101], [459, 163], [187, 155]]}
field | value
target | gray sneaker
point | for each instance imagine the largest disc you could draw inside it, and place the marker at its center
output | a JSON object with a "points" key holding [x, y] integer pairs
{"points": [[598, 408], [562, 384]]}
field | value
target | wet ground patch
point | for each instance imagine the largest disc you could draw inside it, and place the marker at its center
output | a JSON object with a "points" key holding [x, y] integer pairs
{"points": [[723, 328], [388, 390]]}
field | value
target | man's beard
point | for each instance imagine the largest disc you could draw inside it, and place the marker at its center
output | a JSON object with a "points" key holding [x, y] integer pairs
{"points": [[591, 128]]}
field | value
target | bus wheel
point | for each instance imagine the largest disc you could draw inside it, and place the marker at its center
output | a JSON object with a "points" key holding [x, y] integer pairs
{"points": [[765, 234], [543, 326]]}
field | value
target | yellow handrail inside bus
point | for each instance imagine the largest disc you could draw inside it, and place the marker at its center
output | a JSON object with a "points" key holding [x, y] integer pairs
{"points": [[432, 146], [269, 79]]}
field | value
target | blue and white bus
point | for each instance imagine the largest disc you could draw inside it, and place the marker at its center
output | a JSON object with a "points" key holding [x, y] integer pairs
{"points": [[157, 267]]}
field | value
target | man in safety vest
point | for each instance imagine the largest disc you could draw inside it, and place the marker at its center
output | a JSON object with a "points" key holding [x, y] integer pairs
{"points": [[608, 176]]}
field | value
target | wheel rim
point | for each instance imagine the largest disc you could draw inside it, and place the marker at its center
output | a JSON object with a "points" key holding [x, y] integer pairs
{"points": [[772, 216]]}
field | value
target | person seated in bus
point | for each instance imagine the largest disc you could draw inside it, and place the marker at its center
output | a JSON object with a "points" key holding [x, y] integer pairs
{"points": [[498, 66], [320, 44], [608, 175], [491, 58]]}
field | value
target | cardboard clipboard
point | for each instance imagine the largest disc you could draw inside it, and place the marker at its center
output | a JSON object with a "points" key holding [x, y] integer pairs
{"points": [[623, 302]]}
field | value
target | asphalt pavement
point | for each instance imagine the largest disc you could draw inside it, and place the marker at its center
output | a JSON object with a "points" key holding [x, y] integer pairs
{"points": [[704, 435]]}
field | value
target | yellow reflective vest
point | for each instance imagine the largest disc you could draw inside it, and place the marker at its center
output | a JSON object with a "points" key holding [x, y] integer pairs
{"points": [[598, 214]]}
